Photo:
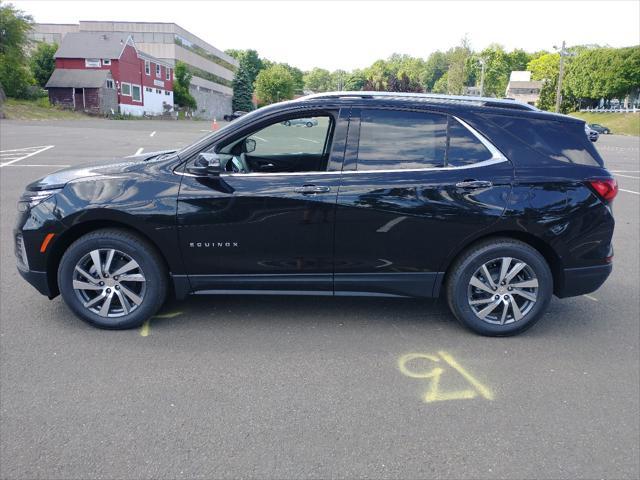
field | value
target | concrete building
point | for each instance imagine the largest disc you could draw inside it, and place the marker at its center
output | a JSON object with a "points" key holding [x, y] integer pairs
{"points": [[522, 88], [212, 69]]}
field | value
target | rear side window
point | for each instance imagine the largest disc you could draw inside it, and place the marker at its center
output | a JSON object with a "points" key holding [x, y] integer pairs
{"points": [[392, 140], [561, 141], [464, 146]]}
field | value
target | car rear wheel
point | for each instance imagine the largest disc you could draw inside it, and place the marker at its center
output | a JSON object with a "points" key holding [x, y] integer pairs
{"points": [[112, 279], [499, 288], [309, 124]]}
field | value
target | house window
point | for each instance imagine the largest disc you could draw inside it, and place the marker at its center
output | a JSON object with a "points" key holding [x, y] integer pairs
{"points": [[148, 89], [158, 71], [92, 62], [167, 92], [126, 89], [147, 67], [168, 73], [158, 91], [110, 84], [136, 93], [106, 61]]}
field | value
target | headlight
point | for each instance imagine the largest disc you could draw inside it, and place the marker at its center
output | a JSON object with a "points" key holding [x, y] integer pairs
{"points": [[31, 199]]}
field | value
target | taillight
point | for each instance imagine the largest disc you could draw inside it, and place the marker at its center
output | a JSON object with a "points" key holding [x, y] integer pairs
{"points": [[606, 188]]}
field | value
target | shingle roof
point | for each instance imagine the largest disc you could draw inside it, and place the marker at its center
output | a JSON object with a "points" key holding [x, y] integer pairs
{"points": [[66, 77], [91, 45]]}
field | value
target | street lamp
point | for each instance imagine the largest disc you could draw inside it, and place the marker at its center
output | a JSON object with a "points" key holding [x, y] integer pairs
{"points": [[482, 64]]}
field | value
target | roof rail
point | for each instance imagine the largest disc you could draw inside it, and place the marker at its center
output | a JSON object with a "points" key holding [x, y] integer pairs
{"points": [[425, 97]]}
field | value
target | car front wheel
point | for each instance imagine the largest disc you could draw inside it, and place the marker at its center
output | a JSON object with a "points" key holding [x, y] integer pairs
{"points": [[112, 279], [499, 288]]}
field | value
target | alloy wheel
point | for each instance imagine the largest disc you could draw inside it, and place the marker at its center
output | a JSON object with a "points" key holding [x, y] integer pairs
{"points": [[503, 291], [109, 282]]}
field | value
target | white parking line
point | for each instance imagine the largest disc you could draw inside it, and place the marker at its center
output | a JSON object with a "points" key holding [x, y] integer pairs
{"points": [[624, 171], [39, 165], [30, 154], [626, 176], [152, 133], [591, 298], [139, 151], [260, 138], [628, 191], [308, 140]]}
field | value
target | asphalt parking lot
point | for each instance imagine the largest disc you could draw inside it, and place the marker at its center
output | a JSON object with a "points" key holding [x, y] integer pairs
{"points": [[274, 387]]}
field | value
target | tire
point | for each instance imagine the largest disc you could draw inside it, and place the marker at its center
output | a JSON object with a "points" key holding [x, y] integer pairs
{"points": [[287, 123], [309, 124], [497, 322], [133, 300]]}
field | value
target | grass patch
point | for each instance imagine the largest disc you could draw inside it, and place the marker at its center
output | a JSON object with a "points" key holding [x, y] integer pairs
{"points": [[618, 123], [39, 109]]}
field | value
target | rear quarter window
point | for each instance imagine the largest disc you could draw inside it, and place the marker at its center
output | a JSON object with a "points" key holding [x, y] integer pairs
{"points": [[464, 146], [561, 141]]}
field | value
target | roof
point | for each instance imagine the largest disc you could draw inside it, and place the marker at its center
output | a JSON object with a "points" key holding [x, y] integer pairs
{"points": [[426, 97], [66, 77], [92, 45], [522, 84]]}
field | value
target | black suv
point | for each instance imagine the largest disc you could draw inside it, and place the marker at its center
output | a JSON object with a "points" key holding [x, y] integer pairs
{"points": [[492, 203]]}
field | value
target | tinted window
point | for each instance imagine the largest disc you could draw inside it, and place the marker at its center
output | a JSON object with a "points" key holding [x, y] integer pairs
{"points": [[464, 147], [401, 140]]}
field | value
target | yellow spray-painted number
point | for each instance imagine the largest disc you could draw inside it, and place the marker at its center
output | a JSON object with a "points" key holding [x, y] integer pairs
{"points": [[433, 393]]}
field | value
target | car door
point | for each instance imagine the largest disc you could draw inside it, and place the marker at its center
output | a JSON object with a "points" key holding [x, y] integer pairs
{"points": [[268, 225], [415, 185]]}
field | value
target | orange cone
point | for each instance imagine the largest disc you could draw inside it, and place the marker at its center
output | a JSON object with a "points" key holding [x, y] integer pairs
{"points": [[214, 124]]}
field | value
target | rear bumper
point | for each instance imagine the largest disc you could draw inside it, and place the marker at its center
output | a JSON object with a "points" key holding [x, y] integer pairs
{"points": [[578, 281], [38, 280]]}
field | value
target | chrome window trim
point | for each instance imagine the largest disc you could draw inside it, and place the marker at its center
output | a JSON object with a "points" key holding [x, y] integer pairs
{"points": [[496, 157]]}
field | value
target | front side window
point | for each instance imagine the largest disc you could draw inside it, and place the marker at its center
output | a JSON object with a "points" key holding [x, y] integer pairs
{"points": [[136, 93], [399, 140], [464, 147], [295, 144]]}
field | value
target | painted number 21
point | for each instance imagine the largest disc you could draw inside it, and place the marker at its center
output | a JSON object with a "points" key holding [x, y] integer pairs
{"points": [[433, 393]]}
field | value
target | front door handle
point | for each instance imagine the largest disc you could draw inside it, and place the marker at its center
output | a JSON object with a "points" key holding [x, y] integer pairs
{"points": [[474, 184], [310, 189]]}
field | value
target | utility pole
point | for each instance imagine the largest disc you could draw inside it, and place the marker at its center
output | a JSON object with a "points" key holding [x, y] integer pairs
{"points": [[563, 53], [482, 63]]}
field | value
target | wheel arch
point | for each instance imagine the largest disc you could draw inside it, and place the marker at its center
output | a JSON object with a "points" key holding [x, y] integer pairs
{"points": [[549, 254], [76, 231]]}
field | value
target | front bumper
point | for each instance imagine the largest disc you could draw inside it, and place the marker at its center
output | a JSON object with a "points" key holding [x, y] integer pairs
{"points": [[39, 280], [578, 281]]}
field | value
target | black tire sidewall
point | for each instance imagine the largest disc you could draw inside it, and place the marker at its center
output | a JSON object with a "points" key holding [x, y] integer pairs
{"points": [[139, 251], [457, 291]]}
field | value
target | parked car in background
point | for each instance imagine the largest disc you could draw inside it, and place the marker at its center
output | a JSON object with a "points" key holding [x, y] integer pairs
{"points": [[234, 115], [298, 122], [487, 202], [602, 130], [591, 133]]}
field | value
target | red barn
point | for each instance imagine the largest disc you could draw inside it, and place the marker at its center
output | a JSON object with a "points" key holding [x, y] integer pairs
{"points": [[142, 84]]}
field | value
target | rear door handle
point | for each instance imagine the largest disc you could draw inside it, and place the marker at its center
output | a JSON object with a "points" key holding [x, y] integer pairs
{"points": [[310, 189], [474, 184]]}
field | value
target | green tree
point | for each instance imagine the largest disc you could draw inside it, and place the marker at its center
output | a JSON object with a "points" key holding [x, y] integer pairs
{"points": [[355, 81], [457, 73], [42, 62], [318, 80], [497, 68], [181, 94], [435, 67], [15, 77], [441, 85], [545, 67], [249, 61], [338, 79], [274, 84], [242, 92], [298, 78]]}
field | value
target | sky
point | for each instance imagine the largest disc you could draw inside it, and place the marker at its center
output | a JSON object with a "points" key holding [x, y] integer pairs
{"points": [[353, 34]]}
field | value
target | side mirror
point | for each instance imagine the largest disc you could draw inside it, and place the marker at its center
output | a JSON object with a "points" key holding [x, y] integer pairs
{"points": [[206, 164], [249, 145]]}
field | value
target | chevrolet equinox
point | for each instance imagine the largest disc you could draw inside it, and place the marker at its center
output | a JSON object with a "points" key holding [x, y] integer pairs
{"points": [[491, 203]]}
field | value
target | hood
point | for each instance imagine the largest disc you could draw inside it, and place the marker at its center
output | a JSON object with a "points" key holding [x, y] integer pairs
{"points": [[60, 178]]}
